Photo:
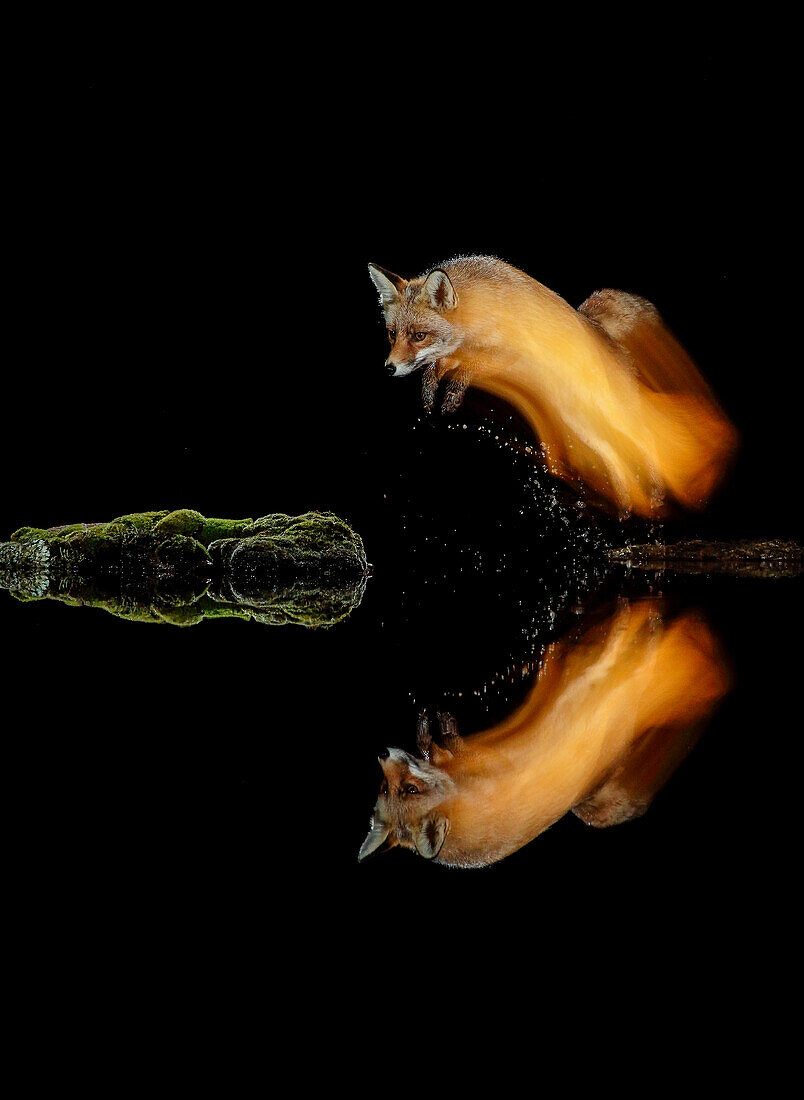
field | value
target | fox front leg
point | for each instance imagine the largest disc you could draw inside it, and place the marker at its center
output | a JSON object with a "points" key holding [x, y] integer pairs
{"points": [[430, 379], [450, 738], [456, 388], [424, 739]]}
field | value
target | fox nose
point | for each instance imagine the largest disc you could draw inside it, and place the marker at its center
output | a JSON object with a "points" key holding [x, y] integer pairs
{"points": [[391, 368], [383, 754]]}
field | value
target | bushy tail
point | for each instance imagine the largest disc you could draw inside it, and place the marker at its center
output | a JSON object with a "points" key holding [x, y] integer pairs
{"points": [[681, 411]]}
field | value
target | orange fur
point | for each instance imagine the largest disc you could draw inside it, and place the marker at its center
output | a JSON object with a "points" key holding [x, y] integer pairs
{"points": [[618, 405]]}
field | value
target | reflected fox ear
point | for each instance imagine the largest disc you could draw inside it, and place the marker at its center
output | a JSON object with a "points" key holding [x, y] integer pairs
{"points": [[389, 285], [431, 834], [377, 836], [438, 292]]}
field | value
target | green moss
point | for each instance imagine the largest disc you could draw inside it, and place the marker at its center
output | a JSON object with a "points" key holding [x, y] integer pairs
{"points": [[184, 521], [140, 521], [308, 569], [313, 607], [214, 529], [147, 537], [214, 610], [48, 534], [302, 605], [315, 540], [318, 542], [134, 597], [181, 616], [25, 566]]}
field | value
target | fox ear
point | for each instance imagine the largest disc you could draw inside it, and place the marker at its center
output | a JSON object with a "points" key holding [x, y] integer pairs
{"points": [[389, 285], [377, 836], [431, 834], [438, 292]]}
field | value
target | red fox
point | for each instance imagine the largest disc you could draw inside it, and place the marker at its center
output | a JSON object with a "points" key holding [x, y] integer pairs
{"points": [[615, 401], [614, 710]]}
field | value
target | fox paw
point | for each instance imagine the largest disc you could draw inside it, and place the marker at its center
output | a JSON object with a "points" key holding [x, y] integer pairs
{"points": [[448, 727], [454, 395]]}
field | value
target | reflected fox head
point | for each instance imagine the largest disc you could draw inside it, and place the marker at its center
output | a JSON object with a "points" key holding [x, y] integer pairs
{"points": [[419, 317], [406, 813]]}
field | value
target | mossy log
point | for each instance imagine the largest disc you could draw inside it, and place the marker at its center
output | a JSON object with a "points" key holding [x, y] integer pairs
{"points": [[181, 567]]}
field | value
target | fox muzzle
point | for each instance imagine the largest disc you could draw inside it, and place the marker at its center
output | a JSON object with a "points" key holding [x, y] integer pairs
{"points": [[400, 370]]}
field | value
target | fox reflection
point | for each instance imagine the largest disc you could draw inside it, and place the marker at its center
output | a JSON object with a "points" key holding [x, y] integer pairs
{"points": [[615, 709]]}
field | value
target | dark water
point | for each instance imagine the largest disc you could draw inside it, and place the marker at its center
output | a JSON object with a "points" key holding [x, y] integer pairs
{"points": [[180, 794], [239, 760]]}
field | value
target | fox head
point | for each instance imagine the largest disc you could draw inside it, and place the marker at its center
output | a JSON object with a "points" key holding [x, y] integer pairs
{"points": [[406, 813], [419, 316]]}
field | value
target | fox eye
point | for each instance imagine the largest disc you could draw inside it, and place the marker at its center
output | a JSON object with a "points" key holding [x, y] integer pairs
{"points": [[410, 789], [419, 336], [392, 334], [384, 788]]}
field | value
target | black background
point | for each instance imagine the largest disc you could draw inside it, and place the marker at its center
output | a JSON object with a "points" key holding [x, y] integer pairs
{"points": [[191, 256], [194, 327]]}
